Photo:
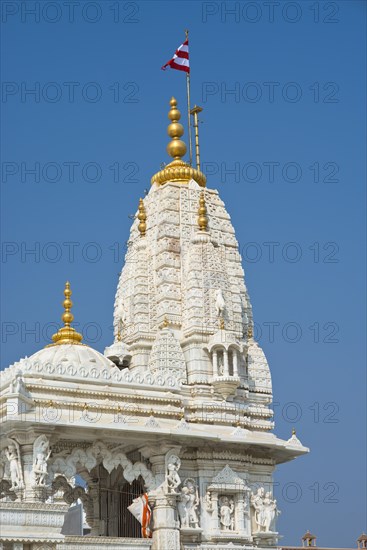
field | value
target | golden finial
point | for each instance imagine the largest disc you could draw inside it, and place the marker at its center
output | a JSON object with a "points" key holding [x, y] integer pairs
{"points": [[294, 431], [176, 147], [165, 323], [221, 323], [250, 332], [142, 217], [67, 334], [177, 170], [202, 219]]}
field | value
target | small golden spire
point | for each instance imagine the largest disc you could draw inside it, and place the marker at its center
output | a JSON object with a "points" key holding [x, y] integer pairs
{"points": [[202, 219], [221, 323], [142, 217], [67, 334], [165, 323], [250, 332], [294, 431], [177, 170]]}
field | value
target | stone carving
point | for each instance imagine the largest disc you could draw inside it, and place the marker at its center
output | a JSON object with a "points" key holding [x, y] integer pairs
{"points": [[17, 385], [226, 513], [265, 510], [220, 364], [99, 453], [152, 423], [229, 478], [188, 504], [90, 372], [172, 478], [72, 494], [41, 454], [12, 453], [219, 302], [167, 357], [259, 377], [209, 505]]}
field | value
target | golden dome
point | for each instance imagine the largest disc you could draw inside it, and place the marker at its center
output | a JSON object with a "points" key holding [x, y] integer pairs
{"points": [[177, 170]]}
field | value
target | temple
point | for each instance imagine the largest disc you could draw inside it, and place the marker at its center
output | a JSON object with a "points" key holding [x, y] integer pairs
{"points": [[165, 441]]}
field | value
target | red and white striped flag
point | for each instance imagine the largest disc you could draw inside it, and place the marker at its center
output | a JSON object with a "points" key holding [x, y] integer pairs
{"points": [[180, 60]]}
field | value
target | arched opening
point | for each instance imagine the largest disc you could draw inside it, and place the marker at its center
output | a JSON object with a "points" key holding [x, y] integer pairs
{"points": [[114, 495]]}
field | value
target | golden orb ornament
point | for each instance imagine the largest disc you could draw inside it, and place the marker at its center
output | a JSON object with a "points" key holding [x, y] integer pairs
{"points": [[176, 148]]}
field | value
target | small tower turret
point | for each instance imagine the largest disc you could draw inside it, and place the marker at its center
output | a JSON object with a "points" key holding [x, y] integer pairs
{"points": [[308, 539]]}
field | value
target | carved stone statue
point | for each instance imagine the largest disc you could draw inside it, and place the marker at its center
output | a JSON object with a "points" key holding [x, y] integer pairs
{"points": [[220, 364], [41, 454], [12, 453], [219, 302], [188, 505], [172, 478], [209, 506], [265, 510], [226, 511], [17, 385]]}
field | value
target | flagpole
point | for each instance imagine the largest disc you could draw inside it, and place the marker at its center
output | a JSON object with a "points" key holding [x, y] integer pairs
{"points": [[194, 112], [188, 105]]}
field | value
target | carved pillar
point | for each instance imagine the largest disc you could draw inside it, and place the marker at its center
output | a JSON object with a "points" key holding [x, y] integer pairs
{"points": [[27, 458], [166, 533], [240, 513], [215, 518], [225, 363], [165, 524], [235, 362], [93, 517], [215, 363]]}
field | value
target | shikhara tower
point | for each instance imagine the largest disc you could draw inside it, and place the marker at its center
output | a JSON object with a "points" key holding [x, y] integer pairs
{"points": [[177, 407]]}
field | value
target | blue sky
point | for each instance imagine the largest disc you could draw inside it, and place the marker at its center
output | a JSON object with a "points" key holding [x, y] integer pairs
{"points": [[285, 150]]}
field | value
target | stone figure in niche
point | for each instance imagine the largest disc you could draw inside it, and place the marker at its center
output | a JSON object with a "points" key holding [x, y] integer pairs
{"points": [[172, 477], [226, 509], [265, 510], [219, 303], [41, 454], [12, 453], [188, 505], [220, 363]]}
